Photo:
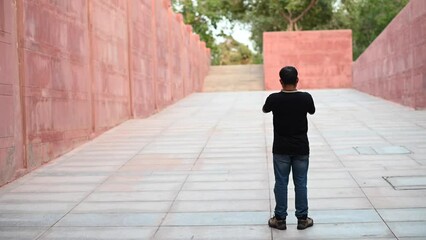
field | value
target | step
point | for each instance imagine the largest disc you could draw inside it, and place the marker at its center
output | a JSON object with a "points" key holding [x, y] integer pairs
{"points": [[234, 78]]}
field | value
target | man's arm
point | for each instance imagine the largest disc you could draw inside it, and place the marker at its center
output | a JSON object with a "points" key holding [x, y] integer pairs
{"points": [[267, 107], [311, 105]]}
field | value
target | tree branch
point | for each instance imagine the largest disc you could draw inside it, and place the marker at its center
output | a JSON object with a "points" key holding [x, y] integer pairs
{"points": [[287, 17], [311, 5]]}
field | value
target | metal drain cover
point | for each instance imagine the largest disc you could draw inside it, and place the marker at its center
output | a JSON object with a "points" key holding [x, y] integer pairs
{"points": [[407, 182]]}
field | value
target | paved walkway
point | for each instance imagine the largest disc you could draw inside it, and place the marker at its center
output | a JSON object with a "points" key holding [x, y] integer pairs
{"points": [[201, 169]]}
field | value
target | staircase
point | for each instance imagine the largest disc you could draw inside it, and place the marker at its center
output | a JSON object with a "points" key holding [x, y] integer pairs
{"points": [[234, 78]]}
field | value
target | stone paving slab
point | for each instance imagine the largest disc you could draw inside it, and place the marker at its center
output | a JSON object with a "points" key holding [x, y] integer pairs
{"points": [[202, 169], [251, 232], [72, 233], [21, 233]]}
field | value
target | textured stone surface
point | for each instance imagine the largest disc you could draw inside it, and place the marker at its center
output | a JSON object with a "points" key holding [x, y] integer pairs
{"points": [[11, 138]]}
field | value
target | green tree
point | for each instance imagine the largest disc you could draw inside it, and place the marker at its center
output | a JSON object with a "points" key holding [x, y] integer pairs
{"points": [[234, 52], [204, 17]]}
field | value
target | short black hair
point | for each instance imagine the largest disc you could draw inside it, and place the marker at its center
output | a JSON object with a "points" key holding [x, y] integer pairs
{"points": [[288, 75]]}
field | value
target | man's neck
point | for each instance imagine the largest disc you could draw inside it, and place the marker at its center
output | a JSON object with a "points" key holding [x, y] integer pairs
{"points": [[289, 88]]}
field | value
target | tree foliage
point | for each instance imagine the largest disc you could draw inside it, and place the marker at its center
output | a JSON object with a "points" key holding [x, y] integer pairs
{"points": [[204, 17], [233, 52]]}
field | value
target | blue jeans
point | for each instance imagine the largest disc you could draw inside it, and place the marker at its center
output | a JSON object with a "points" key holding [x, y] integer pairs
{"points": [[283, 164]]}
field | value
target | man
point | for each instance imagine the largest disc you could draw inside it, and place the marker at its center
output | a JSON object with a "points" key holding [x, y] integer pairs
{"points": [[291, 147]]}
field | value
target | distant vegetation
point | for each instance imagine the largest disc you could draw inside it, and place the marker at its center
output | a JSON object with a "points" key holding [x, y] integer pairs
{"points": [[366, 18]]}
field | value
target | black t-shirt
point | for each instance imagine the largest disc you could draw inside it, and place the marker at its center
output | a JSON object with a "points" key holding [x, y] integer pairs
{"points": [[290, 123]]}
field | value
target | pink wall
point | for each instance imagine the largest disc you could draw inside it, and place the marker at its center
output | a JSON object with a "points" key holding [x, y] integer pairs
{"points": [[54, 49], [110, 62], [86, 67], [11, 135], [142, 57], [323, 58], [394, 65]]}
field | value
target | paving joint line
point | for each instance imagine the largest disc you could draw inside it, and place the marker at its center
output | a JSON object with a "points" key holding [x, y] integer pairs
{"points": [[268, 172]]}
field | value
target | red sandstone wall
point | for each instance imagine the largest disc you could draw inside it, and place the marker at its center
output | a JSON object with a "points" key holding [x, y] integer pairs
{"points": [[162, 51], [176, 43], [394, 65], [109, 59], [54, 49], [323, 58], [86, 66], [11, 137], [142, 57]]}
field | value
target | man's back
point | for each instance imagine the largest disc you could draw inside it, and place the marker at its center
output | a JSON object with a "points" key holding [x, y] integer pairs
{"points": [[290, 123]]}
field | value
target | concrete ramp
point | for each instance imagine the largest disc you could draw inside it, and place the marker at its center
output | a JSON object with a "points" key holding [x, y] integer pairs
{"points": [[234, 78]]}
